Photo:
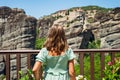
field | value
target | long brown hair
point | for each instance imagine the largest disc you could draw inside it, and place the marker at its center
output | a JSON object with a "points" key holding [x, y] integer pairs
{"points": [[56, 40]]}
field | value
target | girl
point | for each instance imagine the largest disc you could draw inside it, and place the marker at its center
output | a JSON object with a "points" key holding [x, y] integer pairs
{"points": [[57, 57]]}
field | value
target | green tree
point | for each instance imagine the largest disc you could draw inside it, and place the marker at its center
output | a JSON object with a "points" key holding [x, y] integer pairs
{"points": [[94, 45], [39, 43]]}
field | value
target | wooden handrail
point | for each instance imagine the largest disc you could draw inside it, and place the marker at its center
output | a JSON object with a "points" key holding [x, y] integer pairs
{"points": [[81, 53]]}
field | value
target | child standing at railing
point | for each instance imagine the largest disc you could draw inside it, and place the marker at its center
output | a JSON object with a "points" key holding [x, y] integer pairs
{"points": [[57, 57]]}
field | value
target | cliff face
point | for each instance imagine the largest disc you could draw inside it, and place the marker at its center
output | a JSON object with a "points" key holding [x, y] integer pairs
{"points": [[72, 21], [17, 31], [82, 27], [106, 27]]}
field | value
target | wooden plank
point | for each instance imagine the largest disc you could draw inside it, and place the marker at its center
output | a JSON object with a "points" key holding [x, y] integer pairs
{"points": [[81, 58], [7, 66], [102, 61], [28, 61], [113, 57], [18, 65], [91, 66]]}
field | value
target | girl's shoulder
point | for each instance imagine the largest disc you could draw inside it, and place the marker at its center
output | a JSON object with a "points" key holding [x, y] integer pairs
{"points": [[70, 53], [42, 55], [44, 51], [69, 50]]}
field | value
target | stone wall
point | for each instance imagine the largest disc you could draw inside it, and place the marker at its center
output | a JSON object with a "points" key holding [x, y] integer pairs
{"points": [[17, 31]]}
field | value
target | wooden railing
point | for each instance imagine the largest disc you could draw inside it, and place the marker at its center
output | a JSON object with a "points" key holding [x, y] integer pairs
{"points": [[80, 52]]}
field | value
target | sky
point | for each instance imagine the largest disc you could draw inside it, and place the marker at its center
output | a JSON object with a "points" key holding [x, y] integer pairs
{"points": [[39, 8]]}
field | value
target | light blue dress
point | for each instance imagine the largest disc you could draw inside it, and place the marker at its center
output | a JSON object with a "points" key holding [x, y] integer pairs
{"points": [[56, 67]]}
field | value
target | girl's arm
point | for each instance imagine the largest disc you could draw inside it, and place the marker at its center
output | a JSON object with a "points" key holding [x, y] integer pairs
{"points": [[71, 69], [37, 70]]}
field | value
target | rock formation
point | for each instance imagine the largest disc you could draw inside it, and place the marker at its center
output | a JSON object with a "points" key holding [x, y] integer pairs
{"points": [[17, 31], [73, 21], [106, 27], [83, 27]]}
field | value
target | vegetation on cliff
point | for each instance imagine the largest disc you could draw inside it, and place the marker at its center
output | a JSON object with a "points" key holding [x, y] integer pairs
{"points": [[91, 7]]}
